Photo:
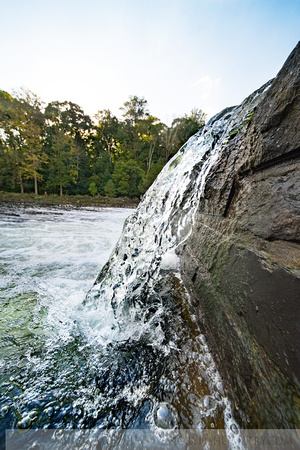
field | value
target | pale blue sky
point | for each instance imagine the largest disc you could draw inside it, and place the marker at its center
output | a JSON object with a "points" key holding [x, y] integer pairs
{"points": [[178, 54]]}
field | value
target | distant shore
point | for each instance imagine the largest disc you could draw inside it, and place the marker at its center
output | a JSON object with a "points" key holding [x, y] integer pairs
{"points": [[74, 200]]}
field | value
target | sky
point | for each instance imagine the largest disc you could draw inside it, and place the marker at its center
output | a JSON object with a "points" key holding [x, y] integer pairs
{"points": [[177, 54]]}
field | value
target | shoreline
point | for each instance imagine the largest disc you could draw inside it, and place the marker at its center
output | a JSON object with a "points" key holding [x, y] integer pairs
{"points": [[71, 200]]}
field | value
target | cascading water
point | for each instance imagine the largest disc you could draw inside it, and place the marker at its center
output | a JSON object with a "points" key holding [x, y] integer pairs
{"points": [[131, 355]]}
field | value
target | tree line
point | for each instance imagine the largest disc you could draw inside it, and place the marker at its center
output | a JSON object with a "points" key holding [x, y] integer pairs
{"points": [[59, 149]]}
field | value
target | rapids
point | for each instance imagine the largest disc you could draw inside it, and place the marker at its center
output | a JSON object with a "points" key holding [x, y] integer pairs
{"points": [[129, 354]]}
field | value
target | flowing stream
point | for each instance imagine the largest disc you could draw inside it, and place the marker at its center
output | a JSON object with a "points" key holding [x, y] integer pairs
{"points": [[129, 354], [50, 258], [65, 363]]}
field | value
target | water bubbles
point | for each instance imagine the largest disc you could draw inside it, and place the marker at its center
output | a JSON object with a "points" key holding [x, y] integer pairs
{"points": [[201, 425], [234, 428], [27, 420], [202, 339], [207, 359], [49, 411], [4, 410], [208, 403], [165, 416], [24, 423]]}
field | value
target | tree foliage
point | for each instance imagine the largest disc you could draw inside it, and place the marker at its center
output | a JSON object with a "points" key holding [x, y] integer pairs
{"points": [[62, 150], [21, 134]]}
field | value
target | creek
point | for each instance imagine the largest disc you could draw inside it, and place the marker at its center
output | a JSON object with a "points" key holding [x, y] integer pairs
{"points": [[64, 362], [125, 351]]}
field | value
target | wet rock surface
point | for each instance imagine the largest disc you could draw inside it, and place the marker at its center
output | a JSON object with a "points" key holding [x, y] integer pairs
{"points": [[242, 259]]}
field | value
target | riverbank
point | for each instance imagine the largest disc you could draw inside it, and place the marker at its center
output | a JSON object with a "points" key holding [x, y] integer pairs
{"points": [[75, 200]]}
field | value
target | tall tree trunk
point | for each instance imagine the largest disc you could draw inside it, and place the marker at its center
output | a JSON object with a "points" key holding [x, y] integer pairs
{"points": [[150, 154], [36, 192], [60, 190], [108, 148], [21, 184]]}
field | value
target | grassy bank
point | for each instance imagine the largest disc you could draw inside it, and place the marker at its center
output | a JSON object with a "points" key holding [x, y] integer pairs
{"points": [[75, 200]]}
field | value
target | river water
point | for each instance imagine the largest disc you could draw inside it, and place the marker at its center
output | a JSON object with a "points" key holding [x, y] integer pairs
{"points": [[119, 350], [62, 366], [122, 349], [50, 258]]}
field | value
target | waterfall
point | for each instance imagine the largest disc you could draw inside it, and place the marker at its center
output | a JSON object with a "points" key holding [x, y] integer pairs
{"points": [[132, 355], [162, 221], [138, 311]]}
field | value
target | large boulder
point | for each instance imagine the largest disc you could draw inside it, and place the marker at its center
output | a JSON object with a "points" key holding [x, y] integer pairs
{"points": [[241, 262]]}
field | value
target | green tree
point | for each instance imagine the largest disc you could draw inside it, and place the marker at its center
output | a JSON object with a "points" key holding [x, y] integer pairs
{"points": [[127, 177], [110, 189], [168, 142], [22, 133], [69, 119], [60, 172], [135, 109], [102, 171], [149, 132], [139, 133], [106, 136], [10, 151], [64, 151], [93, 188], [33, 131], [186, 126], [182, 128], [150, 176]]}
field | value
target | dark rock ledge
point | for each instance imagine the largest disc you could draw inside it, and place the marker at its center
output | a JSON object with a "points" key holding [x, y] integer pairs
{"points": [[242, 260]]}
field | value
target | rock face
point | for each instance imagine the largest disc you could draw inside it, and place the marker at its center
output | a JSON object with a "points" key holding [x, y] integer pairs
{"points": [[241, 262], [224, 212]]}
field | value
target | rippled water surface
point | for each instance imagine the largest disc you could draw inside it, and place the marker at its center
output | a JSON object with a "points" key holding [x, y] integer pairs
{"points": [[56, 370], [125, 352], [68, 364], [50, 258]]}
